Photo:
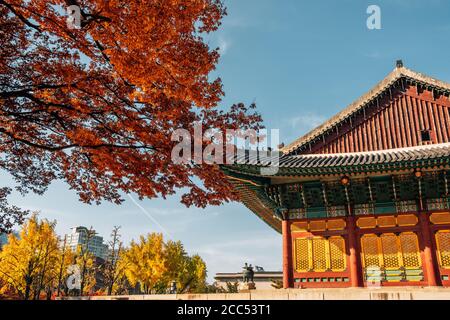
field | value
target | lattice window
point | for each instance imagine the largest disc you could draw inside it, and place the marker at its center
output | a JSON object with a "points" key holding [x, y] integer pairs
{"points": [[370, 249], [320, 254], [302, 255], [391, 251], [410, 250], [319, 251], [443, 244], [398, 257], [337, 254]]}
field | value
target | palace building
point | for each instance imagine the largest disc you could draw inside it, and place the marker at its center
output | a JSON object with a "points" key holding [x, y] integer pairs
{"points": [[364, 198]]}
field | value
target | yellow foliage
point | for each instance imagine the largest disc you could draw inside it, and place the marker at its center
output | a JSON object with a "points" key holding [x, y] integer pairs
{"points": [[145, 262], [28, 264], [154, 264], [35, 263], [85, 260]]}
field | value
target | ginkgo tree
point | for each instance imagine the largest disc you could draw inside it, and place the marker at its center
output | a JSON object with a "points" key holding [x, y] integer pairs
{"points": [[189, 273], [153, 265], [36, 264], [95, 106], [29, 263], [145, 262]]}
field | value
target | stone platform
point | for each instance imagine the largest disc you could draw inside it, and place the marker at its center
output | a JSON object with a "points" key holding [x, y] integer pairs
{"points": [[403, 293]]}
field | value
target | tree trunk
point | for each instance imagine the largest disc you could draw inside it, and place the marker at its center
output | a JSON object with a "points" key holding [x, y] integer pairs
{"points": [[27, 289]]}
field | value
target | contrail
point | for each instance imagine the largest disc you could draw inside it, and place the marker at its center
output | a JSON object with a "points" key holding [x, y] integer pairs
{"points": [[150, 216]]}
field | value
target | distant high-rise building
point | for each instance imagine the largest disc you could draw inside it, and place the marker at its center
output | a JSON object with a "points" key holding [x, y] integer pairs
{"points": [[79, 236], [3, 239]]}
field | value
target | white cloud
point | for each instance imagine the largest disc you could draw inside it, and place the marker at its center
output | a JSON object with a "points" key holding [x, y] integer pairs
{"points": [[306, 121], [224, 45]]}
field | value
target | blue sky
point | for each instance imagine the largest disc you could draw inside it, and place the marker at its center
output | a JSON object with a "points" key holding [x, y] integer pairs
{"points": [[301, 62]]}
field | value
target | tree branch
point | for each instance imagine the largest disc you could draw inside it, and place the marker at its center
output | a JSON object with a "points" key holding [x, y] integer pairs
{"points": [[21, 17]]}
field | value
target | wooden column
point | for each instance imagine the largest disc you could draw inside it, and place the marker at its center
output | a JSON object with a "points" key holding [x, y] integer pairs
{"points": [[287, 255], [356, 278], [428, 252]]}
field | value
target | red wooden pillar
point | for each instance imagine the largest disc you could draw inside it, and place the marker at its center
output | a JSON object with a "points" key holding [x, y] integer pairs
{"points": [[430, 259], [356, 278], [287, 255]]}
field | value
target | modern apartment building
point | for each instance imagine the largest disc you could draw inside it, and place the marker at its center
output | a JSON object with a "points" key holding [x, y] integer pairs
{"points": [[96, 245]]}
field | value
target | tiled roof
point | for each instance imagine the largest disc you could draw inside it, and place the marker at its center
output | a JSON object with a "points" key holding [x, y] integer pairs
{"points": [[393, 77], [249, 180], [330, 162]]}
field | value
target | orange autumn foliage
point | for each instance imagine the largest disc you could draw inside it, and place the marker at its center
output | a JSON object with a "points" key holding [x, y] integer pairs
{"points": [[96, 106]]}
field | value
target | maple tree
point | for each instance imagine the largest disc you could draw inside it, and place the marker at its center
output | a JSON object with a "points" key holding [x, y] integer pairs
{"points": [[96, 106]]}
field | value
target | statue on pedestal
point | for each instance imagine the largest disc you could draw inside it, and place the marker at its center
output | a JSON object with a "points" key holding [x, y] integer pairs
{"points": [[248, 276]]}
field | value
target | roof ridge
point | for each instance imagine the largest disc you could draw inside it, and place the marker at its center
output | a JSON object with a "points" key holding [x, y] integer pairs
{"points": [[415, 148], [399, 72]]}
